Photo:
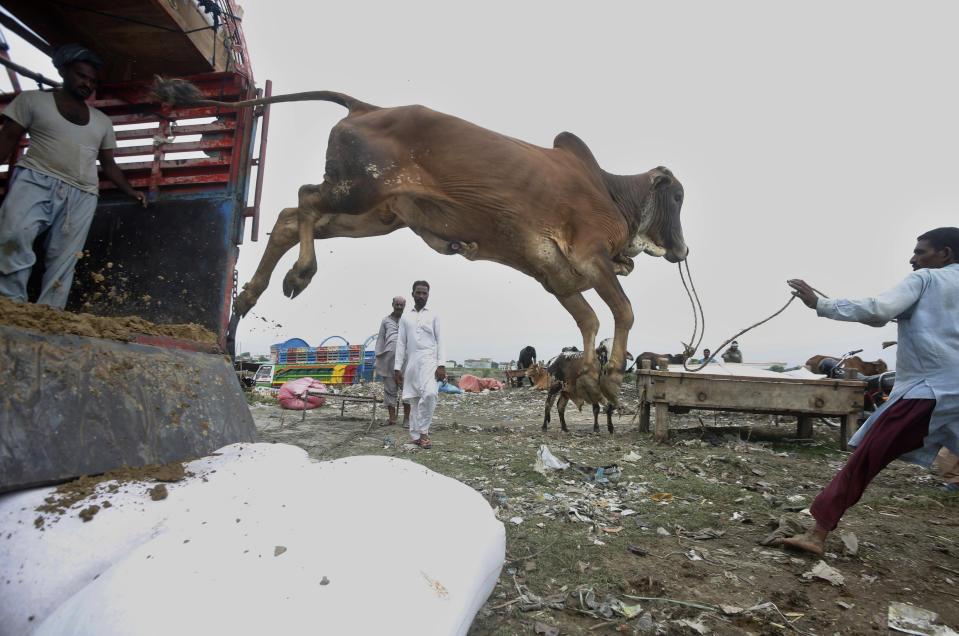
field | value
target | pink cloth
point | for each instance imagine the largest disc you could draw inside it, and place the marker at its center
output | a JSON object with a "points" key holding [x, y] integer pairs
{"points": [[472, 383], [291, 394]]}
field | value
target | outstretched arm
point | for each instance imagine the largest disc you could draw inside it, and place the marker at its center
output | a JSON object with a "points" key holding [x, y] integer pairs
{"points": [[875, 312], [112, 172]]}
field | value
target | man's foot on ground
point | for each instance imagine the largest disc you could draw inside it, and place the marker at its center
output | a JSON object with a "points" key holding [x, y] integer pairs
{"points": [[387, 423], [425, 443], [805, 542], [414, 442]]}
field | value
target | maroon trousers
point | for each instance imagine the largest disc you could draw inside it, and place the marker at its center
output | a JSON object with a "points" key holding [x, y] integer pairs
{"points": [[899, 430]]}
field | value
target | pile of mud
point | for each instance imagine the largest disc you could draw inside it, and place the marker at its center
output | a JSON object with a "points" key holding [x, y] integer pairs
{"points": [[47, 319], [67, 495]]}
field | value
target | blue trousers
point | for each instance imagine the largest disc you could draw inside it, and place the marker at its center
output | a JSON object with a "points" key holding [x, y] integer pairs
{"points": [[37, 202]]}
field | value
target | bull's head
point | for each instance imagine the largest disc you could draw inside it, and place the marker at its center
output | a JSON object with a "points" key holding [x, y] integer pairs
{"points": [[652, 201], [664, 229]]}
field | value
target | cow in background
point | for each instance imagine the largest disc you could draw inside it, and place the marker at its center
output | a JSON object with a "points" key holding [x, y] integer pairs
{"points": [[538, 376], [674, 358], [552, 213], [865, 368], [563, 370]]}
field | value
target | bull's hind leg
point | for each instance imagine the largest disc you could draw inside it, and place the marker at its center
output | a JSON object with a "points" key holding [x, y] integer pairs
{"points": [[287, 232], [561, 408], [587, 383], [554, 390]]}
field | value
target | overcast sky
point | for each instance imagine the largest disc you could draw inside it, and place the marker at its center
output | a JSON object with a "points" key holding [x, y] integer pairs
{"points": [[815, 140]]}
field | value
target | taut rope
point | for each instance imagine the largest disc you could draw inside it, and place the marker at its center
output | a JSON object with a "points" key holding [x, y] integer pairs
{"points": [[692, 294]]}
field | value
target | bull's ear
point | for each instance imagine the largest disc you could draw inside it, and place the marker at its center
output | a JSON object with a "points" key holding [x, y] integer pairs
{"points": [[659, 180]]}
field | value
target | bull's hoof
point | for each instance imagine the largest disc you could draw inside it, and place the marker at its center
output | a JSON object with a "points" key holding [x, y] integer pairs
{"points": [[244, 303], [294, 283], [610, 384]]}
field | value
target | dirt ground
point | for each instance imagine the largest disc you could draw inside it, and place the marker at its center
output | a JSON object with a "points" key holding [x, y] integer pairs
{"points": [[674, 545]]}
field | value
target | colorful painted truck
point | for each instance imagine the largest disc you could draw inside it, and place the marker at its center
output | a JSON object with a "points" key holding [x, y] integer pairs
{"points": [[331, 365]]}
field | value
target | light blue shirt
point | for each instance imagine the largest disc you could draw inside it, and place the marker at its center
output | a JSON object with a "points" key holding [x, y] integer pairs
{"points": [[926, 305]]}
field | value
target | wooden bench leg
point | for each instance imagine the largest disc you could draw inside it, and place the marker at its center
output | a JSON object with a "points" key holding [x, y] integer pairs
{"points": [[848, 428], [644, 417], [661, 427], [804, 427]]}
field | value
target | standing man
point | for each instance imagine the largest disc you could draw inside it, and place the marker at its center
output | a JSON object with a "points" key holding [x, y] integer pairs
{"points": [[733, 354], [419, 350], [922, 414], [55, 186], [386, 359], [527, 358]]}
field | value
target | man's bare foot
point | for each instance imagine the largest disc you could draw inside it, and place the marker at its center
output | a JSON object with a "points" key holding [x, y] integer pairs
{"points": [[807, 542]]}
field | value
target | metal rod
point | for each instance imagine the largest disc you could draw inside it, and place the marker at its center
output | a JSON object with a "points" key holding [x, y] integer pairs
{"points": [[22, 70], [261, 165], [25, 33]]}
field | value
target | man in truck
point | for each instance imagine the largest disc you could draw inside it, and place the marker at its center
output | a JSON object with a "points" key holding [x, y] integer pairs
{"points": [[55, 187]]}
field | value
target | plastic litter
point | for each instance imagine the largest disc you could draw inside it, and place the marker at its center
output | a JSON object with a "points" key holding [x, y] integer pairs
{"points": [[910, 619], [446, 387], [851, 543], [545, 459], [598, 474], [823, 571]]}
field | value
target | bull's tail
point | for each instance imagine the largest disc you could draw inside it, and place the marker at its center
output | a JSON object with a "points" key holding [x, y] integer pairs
{"points": [[177, 92]]}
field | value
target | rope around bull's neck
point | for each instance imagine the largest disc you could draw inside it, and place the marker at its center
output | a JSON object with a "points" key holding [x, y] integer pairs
{"points": [[693, 293]]}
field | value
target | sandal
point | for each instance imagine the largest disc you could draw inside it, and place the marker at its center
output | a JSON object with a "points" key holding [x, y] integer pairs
{"points": [[414, 442], [424, 443], [387, 422]]}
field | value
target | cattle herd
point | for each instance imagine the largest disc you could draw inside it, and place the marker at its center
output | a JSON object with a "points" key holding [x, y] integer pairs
{"points": [[558, 377]]}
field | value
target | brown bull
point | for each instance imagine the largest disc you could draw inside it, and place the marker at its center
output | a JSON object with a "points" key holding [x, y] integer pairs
{"points": [[855, 362], [551, 213]]}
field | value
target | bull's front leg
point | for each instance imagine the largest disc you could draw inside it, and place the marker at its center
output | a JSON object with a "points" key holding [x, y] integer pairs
{"points": [[282, 238], [612, 377], [587, 384]]}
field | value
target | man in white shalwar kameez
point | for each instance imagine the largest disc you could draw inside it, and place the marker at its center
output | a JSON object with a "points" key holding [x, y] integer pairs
{"points": [[922, 414], [419, 363]]}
